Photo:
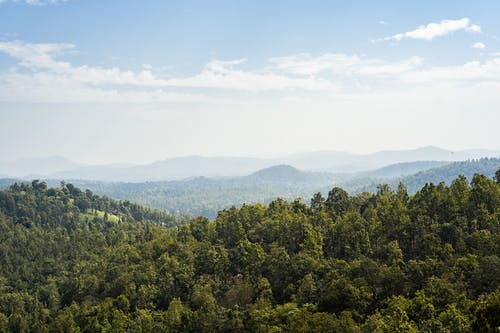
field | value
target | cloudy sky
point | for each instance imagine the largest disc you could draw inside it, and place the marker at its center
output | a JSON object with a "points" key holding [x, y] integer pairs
{"points": [[136, 81]]}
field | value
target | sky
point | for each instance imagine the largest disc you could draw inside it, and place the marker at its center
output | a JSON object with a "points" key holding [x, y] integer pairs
{"points": [[101, 81]]}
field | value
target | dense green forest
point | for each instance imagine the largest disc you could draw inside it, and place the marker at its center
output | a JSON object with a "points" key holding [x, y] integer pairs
{"points": [[71, 261]]}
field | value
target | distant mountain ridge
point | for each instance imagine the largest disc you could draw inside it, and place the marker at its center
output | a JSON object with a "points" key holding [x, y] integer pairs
{"points": [[169, 169], [445, 173], [197, 166], [347, 162], [404, 169], [27, 167]]}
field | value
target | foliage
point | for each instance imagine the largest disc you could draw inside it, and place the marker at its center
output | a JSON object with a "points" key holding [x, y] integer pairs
{"points": [[71, 261]]}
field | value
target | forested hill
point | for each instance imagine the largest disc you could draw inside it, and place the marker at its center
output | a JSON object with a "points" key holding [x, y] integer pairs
{"points": [[402, 169], [385, 262], [35, 204], [445, 173], [287, 174]]}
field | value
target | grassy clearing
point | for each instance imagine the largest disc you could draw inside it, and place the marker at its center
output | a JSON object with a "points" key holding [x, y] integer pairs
{"points": [[100, 214]]}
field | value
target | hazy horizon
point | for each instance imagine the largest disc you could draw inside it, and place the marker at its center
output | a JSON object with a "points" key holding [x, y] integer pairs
{"points": [[255, 156]]}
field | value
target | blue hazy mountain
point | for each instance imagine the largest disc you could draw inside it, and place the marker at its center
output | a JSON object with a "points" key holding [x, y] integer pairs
{"points": [[197, 166], [33, 167]]}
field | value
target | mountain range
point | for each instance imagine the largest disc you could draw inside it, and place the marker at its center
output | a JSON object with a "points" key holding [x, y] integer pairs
{"points": [[197, 166]]}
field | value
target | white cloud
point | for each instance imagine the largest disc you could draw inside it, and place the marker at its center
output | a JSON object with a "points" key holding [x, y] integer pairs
{"points": [[478, 45], [475, 71], [34, 2], [305, 64], [53, 88], [38, 57], [216, 74], [433, 30], [225, 75], [41, 75], [343, 65]]}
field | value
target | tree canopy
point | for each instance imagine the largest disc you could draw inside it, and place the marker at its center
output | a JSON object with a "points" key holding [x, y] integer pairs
{"points": [[71, 261]]}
